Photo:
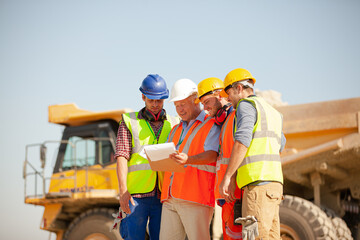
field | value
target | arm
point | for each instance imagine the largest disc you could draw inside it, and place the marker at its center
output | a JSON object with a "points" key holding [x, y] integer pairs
{"points": [[123, 151], [283, 142], [125, 197], [237, 156]]}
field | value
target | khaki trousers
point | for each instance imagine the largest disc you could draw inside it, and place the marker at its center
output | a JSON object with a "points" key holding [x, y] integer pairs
{"points": [[180, 218], [263, 202]]}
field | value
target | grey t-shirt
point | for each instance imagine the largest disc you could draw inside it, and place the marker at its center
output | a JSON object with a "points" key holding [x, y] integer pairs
{"points": [[246, 117]]}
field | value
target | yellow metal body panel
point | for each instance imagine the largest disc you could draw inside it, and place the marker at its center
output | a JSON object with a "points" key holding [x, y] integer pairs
{"points": [[71, 115], [59, 235], [94, 178], [50, 213], [312, 124]]}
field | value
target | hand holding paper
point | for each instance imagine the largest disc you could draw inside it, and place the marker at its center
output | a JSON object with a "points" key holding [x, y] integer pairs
{"points": [[158, 156], [180, 158]]}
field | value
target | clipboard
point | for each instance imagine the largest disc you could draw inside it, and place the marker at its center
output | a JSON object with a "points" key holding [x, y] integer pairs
{"points": [[158, 156]]}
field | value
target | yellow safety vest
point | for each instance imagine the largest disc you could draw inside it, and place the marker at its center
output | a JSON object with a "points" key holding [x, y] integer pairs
{"points": [[262, 160], [140, 178]]}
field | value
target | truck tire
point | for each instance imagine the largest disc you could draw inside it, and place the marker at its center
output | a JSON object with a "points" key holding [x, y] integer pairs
{"points": [[93, 224], [301, 219], [341, 228]]}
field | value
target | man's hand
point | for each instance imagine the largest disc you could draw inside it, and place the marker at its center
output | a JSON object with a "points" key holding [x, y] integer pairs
{"points": [[125, 197], [180, 158], [224, 188], [232, 188]]}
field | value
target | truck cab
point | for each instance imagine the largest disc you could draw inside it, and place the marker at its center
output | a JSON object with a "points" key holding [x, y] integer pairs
{"points": [[82, 192]]}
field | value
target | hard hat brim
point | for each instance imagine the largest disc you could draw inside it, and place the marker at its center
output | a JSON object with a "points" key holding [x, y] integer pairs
{"points": [[177, 99], [163, 95], [223, 94]]}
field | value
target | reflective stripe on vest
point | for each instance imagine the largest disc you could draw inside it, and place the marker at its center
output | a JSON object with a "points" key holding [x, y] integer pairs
{"points": [[139, 167], [134, 129], [207, 168], [264, 127], [197, 183], [262, 159], [140, 178]]}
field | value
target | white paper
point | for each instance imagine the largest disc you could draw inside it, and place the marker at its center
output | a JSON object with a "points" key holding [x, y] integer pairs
{"points": [[160, 151], [142, 152]]}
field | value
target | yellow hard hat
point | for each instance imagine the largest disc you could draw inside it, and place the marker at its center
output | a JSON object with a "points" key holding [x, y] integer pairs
{"points": [[236, 75], [209, 85]]}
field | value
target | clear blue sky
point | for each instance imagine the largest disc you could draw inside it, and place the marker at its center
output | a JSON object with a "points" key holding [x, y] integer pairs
{"points": [[96, 53]]}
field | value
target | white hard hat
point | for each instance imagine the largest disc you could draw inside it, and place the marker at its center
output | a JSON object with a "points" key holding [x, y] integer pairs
{"points": [[182, 89]]}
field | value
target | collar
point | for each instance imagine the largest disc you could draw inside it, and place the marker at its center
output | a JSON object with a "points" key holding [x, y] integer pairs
{"points": [[141, 116]]}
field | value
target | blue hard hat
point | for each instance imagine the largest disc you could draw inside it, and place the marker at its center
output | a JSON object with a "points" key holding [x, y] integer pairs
{"points": [[154, 87]]}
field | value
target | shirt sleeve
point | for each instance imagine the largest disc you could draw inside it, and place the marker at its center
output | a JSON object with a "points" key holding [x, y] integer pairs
{"points": [[212, 140], [283, 142], [123, 142], [246, 117]]}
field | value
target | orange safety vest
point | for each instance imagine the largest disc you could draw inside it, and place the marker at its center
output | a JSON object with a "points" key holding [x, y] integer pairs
{"points": [[196, 184], [226, 145]]}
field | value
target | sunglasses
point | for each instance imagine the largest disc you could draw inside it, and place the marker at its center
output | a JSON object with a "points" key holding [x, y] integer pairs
{"points": [[227, 88]]}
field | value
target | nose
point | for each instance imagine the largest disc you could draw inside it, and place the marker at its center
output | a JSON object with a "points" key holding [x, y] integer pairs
{"points": [[206, 107]]}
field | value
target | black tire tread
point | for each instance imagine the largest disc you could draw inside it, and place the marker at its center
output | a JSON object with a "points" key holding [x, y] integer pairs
{"points": [[317, 219], [94, 211], [342, 230]]}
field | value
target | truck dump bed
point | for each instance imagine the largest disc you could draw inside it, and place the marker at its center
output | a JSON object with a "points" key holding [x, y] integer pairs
{"points": [[323, 145]]}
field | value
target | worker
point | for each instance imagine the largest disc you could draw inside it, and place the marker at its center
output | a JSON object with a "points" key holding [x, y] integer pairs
{"points": [[188, 198], [139, 186], [222, 111], [255, 156]]}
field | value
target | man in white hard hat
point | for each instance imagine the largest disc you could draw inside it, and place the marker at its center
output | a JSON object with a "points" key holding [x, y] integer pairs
{"points": [[188, 198]]}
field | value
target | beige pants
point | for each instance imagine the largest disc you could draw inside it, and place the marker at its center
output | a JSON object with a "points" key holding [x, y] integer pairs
{"points": [[180, 218], [263, 202]]}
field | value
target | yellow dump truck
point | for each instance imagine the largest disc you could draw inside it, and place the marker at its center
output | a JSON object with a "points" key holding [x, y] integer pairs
{"points": [[321, 164], [83, 188]]}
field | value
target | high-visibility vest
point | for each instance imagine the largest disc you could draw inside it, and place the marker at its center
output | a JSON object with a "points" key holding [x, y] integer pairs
{"points": [[196, 184], [226, 145], [262, 160], [140, 178]]}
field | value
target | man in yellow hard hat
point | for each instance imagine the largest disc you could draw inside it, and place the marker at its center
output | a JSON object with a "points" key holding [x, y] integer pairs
{"points": [[255, 157], [221, 110]]}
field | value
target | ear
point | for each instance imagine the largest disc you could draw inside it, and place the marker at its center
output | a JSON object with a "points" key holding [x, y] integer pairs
{"points": [[143, 97], [239, 88]]}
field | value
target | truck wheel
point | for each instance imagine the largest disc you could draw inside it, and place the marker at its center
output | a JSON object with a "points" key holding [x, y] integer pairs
{"points": [[93, 224], [301, 219], [341, 228]]}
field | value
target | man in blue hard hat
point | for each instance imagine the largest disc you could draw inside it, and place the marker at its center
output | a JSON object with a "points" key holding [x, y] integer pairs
{"points": [[139, 186]]}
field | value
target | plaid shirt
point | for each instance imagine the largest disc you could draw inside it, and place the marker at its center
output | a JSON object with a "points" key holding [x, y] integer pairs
{"points": [[124, 147]]}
